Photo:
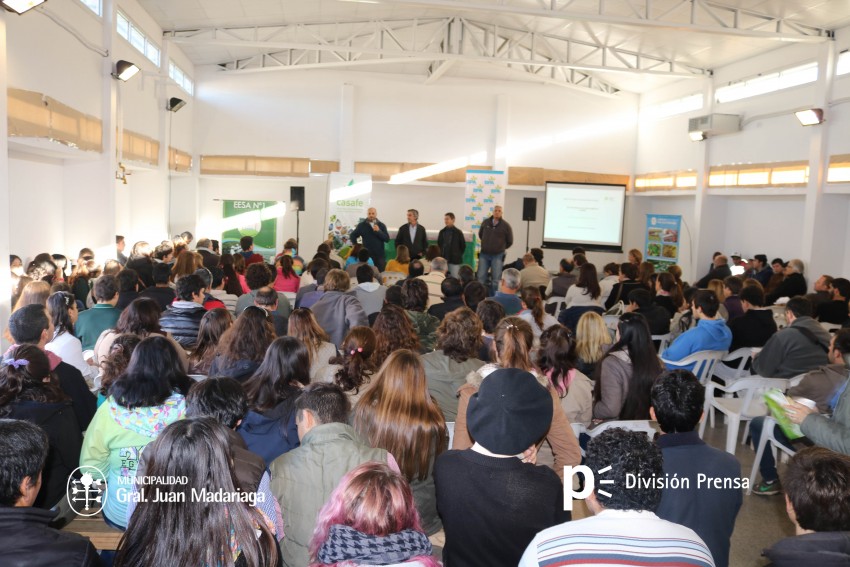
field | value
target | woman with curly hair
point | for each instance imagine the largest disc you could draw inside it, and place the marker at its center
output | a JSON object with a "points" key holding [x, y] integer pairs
{"points": [[370, 518], [304, 327], [458, 343], [269, 428], [352, 369], [140, 318], [396, 413], [115, 363], [512, 345], [30, 391], [82, 280], [243, 345], [414, 298], [214, 323], [393, 331]]}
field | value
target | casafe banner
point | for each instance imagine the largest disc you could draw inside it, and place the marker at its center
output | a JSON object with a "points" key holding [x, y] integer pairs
{"points": [[349, 197]]}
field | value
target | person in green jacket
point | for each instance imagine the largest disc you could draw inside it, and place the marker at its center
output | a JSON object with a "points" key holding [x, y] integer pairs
{"points": [[142, 402], [104, 315]]}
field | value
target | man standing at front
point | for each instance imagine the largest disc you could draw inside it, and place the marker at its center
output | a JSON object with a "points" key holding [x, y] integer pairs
{"points": [[452, 244], [496, 236], [412, 235], [374, 234]]}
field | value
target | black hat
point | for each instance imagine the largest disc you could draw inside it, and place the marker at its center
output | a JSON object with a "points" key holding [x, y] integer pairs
{"points": [[510, 411]]}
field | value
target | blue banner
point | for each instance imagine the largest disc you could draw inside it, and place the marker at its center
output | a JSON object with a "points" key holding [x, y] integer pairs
{"points": [[663, 237]]}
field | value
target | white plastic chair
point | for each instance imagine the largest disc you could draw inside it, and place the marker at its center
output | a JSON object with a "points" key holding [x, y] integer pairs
{"points": [[663, 340], [558, 301], [730, 374], [390, 278], [704, 362], [745, 407], [831, 327], [611, 321], [775, 446]]}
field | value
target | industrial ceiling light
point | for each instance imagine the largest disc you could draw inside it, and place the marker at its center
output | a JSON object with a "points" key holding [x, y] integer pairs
{"points": [[174, 104], [124, 70], [697, 136], [21, 6], [810, 116]]}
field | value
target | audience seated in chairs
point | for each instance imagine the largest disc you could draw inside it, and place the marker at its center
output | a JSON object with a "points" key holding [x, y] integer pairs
{"points": [[582, 297], [799, 347], [593, 339], [490, 312], [711, 332], [336, 311]]}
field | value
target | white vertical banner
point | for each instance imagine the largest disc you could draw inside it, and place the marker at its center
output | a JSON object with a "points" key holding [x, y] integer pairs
{"points": [[349, 197], [484, 190]]}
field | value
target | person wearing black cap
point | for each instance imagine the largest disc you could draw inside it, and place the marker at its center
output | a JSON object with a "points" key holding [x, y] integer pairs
{"points": [[491, 501]]}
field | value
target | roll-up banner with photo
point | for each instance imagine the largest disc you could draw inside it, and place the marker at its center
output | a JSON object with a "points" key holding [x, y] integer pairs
{"points": [[250, 218], [663, 237], [349, 198], [484, 190]]}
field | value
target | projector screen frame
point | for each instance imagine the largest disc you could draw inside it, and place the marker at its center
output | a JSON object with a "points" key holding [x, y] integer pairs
{"points": [[617, 248]]}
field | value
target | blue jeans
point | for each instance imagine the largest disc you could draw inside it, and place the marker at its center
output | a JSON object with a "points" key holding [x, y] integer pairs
{"points": [[492, 262], [767, 466]]}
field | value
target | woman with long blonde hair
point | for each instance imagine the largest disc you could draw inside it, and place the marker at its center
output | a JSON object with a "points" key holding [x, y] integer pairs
{"points": [[397, 413], [513, 341], [304, 327], [593, 339]]}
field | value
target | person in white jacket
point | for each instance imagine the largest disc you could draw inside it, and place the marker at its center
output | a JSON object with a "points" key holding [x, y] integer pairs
{"points": [[63, 311]]}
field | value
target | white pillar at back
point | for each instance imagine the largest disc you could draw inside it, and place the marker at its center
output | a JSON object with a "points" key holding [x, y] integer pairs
{"points": [[5, 282]]}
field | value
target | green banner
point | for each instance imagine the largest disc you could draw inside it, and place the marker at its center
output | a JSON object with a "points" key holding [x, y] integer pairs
{"points": [[250, 218]]}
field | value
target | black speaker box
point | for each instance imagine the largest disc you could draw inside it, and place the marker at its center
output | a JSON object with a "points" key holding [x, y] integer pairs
{"points": [[296, 195], [529, 208]]}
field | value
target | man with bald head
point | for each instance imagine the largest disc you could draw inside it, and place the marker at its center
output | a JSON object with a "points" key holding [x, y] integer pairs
{"points": [[373, 233]]}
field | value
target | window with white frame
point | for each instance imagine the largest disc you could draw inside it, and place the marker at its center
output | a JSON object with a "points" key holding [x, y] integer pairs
{"points": [[137, 38], [768, 83], [94, 5], [181, 78], [843, 65]]}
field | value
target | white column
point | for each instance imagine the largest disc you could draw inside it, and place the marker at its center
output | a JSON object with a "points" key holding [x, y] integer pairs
{"points": [[817, 236], [5, 282], [498, 152], [702, 241]]}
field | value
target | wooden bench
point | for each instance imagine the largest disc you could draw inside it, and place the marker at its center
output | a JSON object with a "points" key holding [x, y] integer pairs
{"points": [[95, 529]]}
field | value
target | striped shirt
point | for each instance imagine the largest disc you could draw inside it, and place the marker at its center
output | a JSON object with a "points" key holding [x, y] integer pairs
{"points": [[617, 538]]}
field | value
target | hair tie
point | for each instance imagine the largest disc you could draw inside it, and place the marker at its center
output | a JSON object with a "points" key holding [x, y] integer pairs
{"points": [[510, 326], [16, 363]]}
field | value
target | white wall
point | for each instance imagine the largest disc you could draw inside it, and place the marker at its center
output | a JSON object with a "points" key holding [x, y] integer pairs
{"points": [[34, 230]]}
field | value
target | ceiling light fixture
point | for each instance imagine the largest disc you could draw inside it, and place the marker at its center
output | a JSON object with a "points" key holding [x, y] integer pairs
{"points": [[124, 70], [21, 6], [174, 104], [810, 116]]}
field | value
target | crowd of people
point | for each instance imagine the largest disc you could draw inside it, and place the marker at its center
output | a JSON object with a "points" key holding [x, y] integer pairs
{"points": [[358, 423]]}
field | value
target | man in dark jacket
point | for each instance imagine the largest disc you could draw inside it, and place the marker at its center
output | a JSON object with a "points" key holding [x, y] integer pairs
{"points": [[183, 317], [24, 534], [374, 235], [640, 301], [31, 325], [140, 260], [756, 325], [798, 348], [720, 271], [817, 499], [412, 235], [161, 292], [452, 291], [677, 402], [204, 248], [793, 285], [622, 289], [496, 237], [452, 244]]}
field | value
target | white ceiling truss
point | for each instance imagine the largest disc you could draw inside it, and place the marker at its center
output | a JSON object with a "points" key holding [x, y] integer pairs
{"points": [[443, 41], [473, 34]]}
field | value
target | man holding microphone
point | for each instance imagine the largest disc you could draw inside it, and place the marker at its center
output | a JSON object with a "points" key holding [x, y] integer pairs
{"points": [[373, 234]]}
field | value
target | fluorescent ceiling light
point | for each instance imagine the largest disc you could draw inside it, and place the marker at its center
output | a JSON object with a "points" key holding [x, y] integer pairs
{"points": [[21, 6], [810, 117]]}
